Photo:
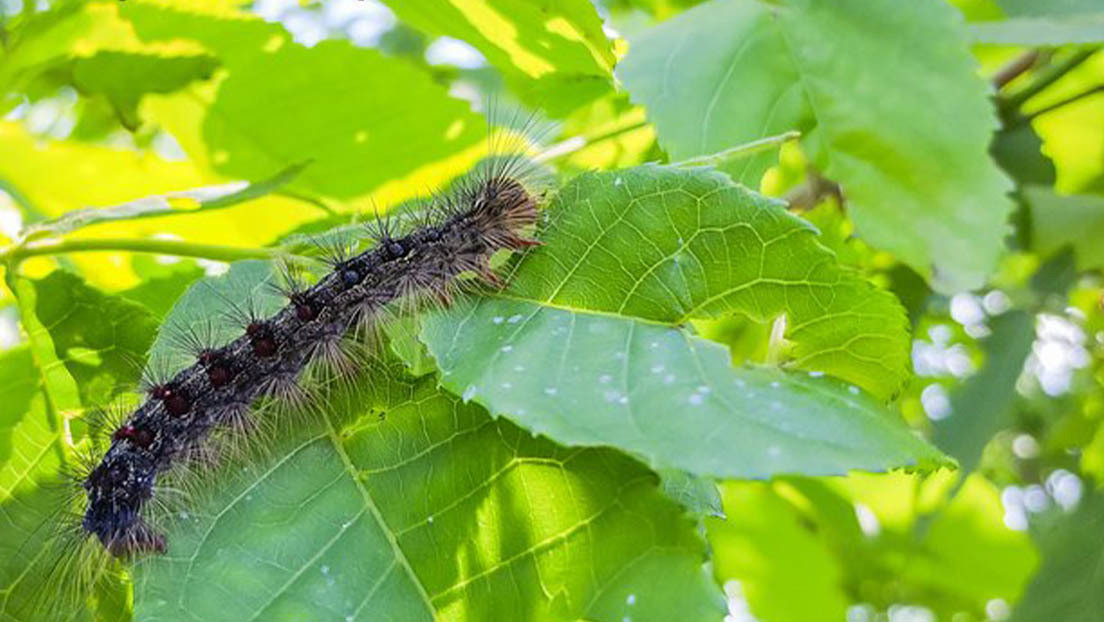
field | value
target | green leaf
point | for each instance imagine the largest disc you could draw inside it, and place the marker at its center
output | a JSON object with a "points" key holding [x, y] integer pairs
{"points": [[1057, 221], [61, 389], [402, 337], [552, 54], [363, 118], [1069, 586], [123, 77], [695, 493], [1018, 150], [665, 245], [797, 547], [47, 40], [208, 198], [586, 343], [1051, 30], [429, 510], [100, 339], [30, 455], [912, 160], [980, 407], [162, 283], [786, 570], [969, 553]]}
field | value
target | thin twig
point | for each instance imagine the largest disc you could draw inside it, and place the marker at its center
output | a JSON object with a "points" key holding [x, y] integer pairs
{"points": [[1015, 68], [577, 143], [740, 151]]}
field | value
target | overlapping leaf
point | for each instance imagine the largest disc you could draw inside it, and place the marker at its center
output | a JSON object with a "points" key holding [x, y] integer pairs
{"points": [[912, 159], [585, 345], [554, 54], [86, 46]]}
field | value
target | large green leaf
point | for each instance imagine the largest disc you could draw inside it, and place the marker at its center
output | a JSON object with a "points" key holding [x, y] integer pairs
{"points": [[1070, 584], [912, 159], [408, 505], [552, 53], [362, 118], [587, 344]]}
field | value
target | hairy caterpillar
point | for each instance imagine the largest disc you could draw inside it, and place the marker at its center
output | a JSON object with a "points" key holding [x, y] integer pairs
{"points": [[485, 212]]}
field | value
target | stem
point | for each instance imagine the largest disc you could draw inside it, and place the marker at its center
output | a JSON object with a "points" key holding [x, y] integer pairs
{"points": [[1015, 68], [740, 151], [14, 254], [1045, 78], [1056, 105], [571, 145]]}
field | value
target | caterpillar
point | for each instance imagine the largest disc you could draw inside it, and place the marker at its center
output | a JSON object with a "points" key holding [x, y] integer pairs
{"points": [[489, 210]]}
